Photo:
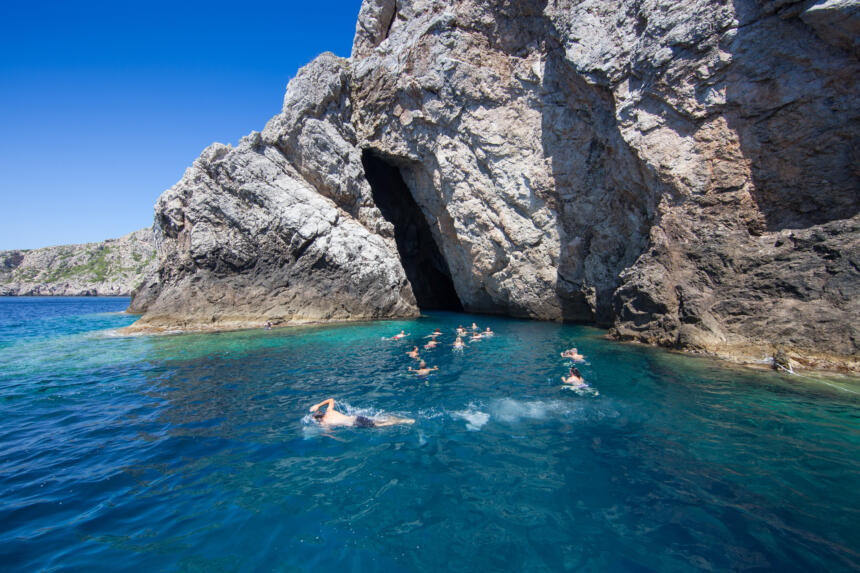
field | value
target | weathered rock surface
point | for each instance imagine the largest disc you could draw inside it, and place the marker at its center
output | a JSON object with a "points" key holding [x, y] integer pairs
{"points": [[111, 268], [684, 172], [280, 228]]}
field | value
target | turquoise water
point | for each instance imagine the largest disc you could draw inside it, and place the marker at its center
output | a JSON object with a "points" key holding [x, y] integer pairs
{"points": [[194, 453]]}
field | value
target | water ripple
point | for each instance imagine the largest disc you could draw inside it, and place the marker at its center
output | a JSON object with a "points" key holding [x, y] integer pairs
{"points": [[197, 452]]}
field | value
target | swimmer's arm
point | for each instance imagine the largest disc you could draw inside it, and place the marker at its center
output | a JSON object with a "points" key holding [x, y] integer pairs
{"points": [[316, 407]]}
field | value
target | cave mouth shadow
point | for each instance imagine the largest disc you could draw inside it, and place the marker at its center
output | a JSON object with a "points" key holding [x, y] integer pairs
{"points": [[426, 268]]}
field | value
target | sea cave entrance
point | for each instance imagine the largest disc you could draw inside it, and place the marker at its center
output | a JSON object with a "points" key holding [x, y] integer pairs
{"points": [[426, 268]]}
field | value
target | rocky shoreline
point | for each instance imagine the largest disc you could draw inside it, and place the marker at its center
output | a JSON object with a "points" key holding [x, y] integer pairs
{"points": [[115, 267], [681, 173]]}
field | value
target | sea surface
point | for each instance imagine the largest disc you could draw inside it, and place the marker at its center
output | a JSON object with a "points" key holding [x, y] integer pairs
{"points": [[196, 453]]}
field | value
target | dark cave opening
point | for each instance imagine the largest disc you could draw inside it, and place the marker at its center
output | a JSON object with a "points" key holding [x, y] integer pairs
{"points": [[426, 268]]}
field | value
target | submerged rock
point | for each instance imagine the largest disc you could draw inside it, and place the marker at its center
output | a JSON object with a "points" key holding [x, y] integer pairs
{"points": [[682, 172], [114, 267]]}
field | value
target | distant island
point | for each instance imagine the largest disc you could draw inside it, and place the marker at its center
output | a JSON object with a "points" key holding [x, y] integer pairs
{"points": [[114, 267]]}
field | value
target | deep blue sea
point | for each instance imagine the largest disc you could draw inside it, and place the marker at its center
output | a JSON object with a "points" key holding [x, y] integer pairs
{"points": [[195, 452]]}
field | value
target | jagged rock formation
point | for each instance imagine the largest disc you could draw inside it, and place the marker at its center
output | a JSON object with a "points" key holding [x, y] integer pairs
{"points": [[279, 229], [683, 172], [111, 268]]}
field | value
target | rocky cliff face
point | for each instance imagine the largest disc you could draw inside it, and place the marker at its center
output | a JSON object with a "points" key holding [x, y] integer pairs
{"points": [[683, 172], [111, 268], [281, 228]]}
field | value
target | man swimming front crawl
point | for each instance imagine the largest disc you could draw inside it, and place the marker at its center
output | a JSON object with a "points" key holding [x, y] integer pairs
{"points": [[431, 344], [399, 336], [413, 353], [332, 417]]}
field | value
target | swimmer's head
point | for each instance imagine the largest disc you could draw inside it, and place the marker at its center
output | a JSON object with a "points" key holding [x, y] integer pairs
{"points": [[422, 364], [318, 415]]}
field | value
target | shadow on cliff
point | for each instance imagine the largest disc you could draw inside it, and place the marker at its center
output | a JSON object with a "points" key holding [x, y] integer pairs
{"points": [[425, 267], [791, 99], [604, 200]]}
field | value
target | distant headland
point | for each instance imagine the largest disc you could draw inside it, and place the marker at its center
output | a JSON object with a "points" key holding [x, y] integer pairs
{"points": [[114, 267]]}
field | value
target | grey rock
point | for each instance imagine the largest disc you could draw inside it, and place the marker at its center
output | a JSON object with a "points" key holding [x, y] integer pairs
{"points": [[684, 172], [114, 267], [781, 361], [246, 238], [837, 22]]}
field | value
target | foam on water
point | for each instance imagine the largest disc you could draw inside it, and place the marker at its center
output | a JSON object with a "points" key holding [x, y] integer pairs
{"points": [[511, 410], [475, 419]]}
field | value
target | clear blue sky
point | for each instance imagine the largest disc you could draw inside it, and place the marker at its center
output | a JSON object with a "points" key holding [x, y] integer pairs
{"points": [[104, 104]]}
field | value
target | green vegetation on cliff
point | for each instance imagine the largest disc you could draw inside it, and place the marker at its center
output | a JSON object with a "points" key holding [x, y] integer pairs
{"points": [[114, 267]]}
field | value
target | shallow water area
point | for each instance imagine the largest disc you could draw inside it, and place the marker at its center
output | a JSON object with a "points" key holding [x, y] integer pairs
{"points": [[196, 452]]}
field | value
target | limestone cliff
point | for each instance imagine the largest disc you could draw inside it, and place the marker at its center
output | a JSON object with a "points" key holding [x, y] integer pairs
{"points": [[683, 172], [279, 229], [111, 268]]}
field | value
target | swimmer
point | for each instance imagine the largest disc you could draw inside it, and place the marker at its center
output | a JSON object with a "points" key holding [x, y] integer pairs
{"points": [[459, 343], [432, 344], [488, 332], [574, 379], [399, 336], [573, 355], [475, 326], [332, 417], [423, 369], [268, 325], [461, 331], [434, 334], [476, 336], [413, 353]]}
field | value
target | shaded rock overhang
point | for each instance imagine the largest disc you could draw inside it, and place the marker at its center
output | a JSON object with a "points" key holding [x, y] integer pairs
{"points": [[425, 266]]}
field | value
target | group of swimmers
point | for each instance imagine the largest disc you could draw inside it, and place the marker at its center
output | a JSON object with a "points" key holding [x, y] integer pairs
{"points": [[331, 417], [423, 369]]}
